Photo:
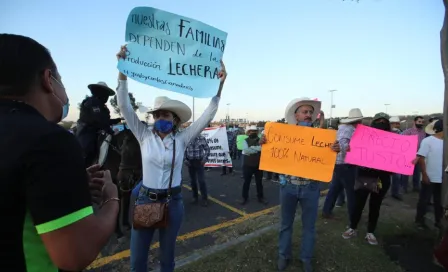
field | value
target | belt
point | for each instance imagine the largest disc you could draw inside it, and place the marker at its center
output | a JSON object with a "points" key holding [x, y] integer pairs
{"points": [[159, 194], [300, 182]]}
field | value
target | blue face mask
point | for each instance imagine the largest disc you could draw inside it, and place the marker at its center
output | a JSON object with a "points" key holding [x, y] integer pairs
{"points": [[305, 124], [163, 126], [65, 110]]}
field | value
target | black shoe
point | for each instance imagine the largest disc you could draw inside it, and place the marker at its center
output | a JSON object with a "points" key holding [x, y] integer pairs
{"points": [[262, 200], [421, 225], [282, 264], [204, 203], [397, 197], [243, 202]]}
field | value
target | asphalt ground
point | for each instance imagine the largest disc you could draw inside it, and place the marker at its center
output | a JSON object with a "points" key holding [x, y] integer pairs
{"points": [[200, 223]]}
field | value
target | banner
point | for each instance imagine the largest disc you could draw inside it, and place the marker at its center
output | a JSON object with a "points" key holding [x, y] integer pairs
{"points": [[173, 52], [299, 151], [219, 147], [382, 150]]}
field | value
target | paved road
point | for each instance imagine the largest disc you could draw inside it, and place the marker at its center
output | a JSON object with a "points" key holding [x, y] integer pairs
{"points": [[200, 223]]}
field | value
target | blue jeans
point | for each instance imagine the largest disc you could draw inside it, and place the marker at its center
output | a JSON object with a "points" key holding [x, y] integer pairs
{"points": [[308, 197], [196, 171], [397, 184], [141, 239], [343, 179]]}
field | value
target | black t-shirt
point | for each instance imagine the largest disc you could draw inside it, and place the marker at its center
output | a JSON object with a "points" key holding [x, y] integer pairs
{"points": [[43, 185]]}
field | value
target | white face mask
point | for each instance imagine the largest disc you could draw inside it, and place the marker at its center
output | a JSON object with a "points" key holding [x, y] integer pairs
{"points": [[66, 106]]}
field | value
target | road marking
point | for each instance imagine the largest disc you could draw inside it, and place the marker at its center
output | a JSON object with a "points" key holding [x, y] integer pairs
{"points": [[126, 253], [219, 202]]}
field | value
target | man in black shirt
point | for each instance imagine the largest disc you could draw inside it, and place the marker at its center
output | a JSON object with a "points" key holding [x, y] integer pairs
{"points": [[94, 117], [44, 186]]}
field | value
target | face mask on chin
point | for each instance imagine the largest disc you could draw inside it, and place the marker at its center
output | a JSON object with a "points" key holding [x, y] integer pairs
{"points": [[305, 124], [64, 111], [419, 125]]}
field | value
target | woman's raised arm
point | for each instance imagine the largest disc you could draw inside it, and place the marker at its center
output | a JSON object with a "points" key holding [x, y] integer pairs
{"points": [[139, 129], [207, 116]]}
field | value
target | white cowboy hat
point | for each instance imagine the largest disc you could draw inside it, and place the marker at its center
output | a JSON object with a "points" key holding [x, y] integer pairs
{"points": [[429, 129], [394, 119], [290, 110], [253, 127], [353, 116], [101, 87], [175, 106]]}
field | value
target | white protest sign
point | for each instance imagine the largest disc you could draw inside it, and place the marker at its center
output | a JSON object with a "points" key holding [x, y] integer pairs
{"points": [[219, 147]]}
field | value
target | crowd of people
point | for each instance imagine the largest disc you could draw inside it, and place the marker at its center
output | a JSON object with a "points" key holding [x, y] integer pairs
{"points": [[67, 212]]}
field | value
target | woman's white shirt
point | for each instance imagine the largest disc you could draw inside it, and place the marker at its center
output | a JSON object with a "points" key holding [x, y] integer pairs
{"points": [[157, 154]]}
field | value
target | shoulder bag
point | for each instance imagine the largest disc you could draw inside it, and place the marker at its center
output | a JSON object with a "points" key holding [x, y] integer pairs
{"points": [[154, 215]]}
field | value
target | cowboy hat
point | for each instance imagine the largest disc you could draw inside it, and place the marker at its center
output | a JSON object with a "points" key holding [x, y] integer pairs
{"points": [[429, 129], [253, 127], [353, 116], [394, 119], [292, 107], [100, 88], [177, 107]]}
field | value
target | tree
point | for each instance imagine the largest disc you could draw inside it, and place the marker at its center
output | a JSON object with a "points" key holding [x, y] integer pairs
{"points": [[283, 120], [135, 105]]}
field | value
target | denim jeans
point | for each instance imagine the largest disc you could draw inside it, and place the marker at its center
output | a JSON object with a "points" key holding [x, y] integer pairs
{"points": [[415, 179], [343, 179], [397, 184], [308, 197], [196, 171], [141, 239]]}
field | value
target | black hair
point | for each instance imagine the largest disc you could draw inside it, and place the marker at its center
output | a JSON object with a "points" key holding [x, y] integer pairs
{"points": [[418, 117], [22, 60]]}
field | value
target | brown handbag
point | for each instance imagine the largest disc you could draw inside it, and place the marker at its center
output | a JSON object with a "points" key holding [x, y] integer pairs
{"points": [[154, 215], [367, 183]]}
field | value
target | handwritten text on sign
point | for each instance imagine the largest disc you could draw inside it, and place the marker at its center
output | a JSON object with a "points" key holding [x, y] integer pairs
{"points": [[382, 150], [219, 147], [299, 151], [173, 52]]}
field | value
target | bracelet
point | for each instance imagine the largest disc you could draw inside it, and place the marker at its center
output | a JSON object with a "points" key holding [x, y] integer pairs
{"points": [[110, 199]]}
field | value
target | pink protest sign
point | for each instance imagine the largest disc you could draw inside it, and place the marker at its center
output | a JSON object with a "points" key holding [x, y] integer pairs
{"points": [[382, 150]]}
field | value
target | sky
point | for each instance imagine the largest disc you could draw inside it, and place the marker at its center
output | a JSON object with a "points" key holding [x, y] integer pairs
{"points": [[373, 52]]}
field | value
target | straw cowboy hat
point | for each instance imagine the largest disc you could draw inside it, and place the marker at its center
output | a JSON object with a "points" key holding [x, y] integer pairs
{"points": [[177, 107], [394, 119], [292, 107], [354, 115], [101, 88], [253, 127], [429, 129]]}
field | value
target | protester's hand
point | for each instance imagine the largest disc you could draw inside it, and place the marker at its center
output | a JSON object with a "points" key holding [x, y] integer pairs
{"points": [[223, 73], [348, 148], [336, 147], [414, 161], [263, 140], [122, 53], [95, 187], [425, 178], [109, 189]]}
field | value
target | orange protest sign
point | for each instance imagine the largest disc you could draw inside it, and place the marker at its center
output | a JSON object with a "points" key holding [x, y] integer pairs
{"points": [[299, 151]]}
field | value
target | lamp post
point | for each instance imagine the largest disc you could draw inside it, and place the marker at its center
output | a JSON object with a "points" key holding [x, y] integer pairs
{"points": [[331, 107], [386, 106]]}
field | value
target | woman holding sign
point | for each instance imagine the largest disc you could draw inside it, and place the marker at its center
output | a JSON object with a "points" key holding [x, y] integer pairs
{"points": [[159, 204], [371, 182]]}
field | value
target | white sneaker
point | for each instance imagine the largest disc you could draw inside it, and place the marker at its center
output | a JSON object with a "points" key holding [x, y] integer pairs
{"points": [[349, 233], [371, 239]]}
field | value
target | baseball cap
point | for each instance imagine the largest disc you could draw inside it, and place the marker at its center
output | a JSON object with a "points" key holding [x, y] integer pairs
{"points": [[438, 126], [381, 115]]}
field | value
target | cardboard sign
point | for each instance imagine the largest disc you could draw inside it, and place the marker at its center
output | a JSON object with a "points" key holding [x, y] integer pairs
{"points": [[382, 150], [219, 147], [299, 151], [172, 52]]}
